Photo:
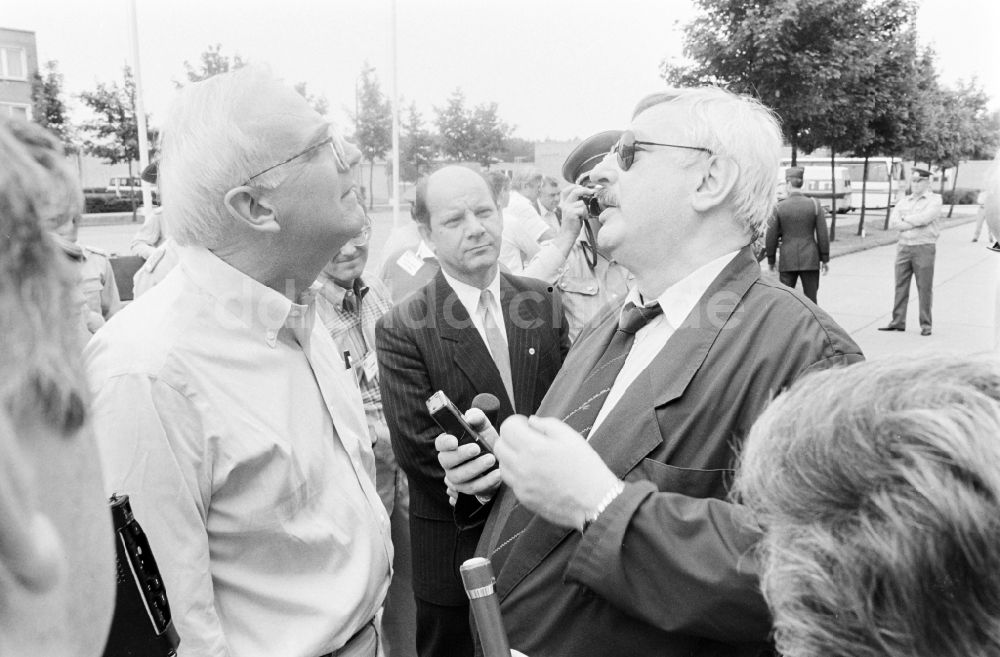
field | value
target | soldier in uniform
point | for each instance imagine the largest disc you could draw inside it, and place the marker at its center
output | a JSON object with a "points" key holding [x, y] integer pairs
{"points": [[799, 224]]}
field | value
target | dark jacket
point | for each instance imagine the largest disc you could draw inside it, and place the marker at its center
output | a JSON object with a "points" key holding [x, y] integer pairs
{"points": [[665, 570], [428, 343], [799, 225]]}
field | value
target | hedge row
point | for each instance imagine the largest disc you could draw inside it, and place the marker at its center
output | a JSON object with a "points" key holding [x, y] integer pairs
{"points": [[962, 196], [94, 204]]}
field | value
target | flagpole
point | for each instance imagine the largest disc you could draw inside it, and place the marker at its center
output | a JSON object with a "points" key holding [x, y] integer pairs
{"points": [[140, 107], [395, 121]]}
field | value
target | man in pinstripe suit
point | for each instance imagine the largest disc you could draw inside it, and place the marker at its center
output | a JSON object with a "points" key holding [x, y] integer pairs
{"points": [[470, 330]]}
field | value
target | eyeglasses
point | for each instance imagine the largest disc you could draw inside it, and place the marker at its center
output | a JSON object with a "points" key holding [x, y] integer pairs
{"points": [[627, 146], [364, 236], [336, 145]]}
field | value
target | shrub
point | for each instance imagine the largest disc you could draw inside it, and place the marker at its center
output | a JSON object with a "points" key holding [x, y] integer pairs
{"points": [[962, 196]]}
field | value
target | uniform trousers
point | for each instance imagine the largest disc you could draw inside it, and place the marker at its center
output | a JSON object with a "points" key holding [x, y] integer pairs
{"points": [[914, 261], [810, 281]]}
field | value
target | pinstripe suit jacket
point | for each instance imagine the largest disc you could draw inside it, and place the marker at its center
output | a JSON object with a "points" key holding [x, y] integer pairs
{"points": [[428, 343]]}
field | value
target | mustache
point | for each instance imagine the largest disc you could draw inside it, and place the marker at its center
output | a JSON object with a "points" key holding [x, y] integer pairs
{"points": [[606, 197]]}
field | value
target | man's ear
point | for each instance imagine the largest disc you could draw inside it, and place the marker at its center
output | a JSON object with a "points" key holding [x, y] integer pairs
{"points": [[716, 184], [425, 235], [252, 208], [30, 546]]}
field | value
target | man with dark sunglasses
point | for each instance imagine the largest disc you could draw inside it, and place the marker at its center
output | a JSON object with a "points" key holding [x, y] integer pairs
{"points": [[610, 530], [222, 405]]}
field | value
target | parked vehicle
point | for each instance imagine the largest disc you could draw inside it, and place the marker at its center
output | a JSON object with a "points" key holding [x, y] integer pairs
{"points": [[816, 184], [887, 176]]}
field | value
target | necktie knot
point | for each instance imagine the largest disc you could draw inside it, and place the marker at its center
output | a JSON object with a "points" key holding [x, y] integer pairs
{"points": [[635, 317]]}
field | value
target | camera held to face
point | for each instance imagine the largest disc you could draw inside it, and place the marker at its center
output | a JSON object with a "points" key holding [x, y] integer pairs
{"points": [[592, 201]]}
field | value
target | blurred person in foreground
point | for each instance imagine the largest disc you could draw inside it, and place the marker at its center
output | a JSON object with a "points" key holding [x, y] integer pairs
{"points": [[611, 533], [56, 550], [349, 304], [222, 405], [878, 494]]}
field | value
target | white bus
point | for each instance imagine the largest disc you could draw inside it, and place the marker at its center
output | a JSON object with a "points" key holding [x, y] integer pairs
{"points": [[884, 173]]}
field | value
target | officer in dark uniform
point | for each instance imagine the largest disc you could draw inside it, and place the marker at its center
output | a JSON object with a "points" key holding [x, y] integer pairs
{"points": [[799, 226]]}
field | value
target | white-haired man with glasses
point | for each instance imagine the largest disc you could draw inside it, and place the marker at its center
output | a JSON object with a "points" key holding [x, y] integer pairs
{"points": [[222, 405], [609, 531]]}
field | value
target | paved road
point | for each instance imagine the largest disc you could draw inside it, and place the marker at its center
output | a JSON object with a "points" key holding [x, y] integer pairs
{"points": [[857, 292]]}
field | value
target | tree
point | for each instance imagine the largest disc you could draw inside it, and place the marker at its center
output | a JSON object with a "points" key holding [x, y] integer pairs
{"points": [[488, 134], [475, 134], [454, 125], [213, 62], [113, 135], [417, 147], [48, 106], [318, 103], [373, 124]]}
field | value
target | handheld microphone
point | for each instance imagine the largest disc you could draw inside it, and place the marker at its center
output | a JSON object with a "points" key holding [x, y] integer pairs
{"points": [[489, 405], [477, 576]]}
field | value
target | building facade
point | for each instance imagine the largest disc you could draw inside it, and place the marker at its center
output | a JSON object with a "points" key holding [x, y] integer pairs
{"points": [[18, 65]]}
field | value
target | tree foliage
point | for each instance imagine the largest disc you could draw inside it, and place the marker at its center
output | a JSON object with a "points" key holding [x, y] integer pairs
{"points": [[417, 148], [113, 133], [373, 122], [212, 63], [471, 134], [49, 106]]}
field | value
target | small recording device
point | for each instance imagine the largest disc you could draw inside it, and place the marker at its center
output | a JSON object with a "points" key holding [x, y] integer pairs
{"points": [[451, 420], [141, 626]]}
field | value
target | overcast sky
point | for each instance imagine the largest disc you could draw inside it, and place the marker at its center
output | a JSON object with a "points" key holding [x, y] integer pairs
{"points": [[559, 69]]}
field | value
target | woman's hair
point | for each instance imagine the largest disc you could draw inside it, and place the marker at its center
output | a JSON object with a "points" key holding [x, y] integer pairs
{"points": [[877, 488]]}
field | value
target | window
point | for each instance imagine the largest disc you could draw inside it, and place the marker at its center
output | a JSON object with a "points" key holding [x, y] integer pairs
{"points": [[13, 63], [15, 111]]}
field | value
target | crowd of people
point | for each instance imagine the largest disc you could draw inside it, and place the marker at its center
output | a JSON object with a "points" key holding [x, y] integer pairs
{"points": [[685, 457]]}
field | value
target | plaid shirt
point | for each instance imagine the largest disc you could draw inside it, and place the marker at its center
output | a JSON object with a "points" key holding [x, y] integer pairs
{"points": [[350, 315]]}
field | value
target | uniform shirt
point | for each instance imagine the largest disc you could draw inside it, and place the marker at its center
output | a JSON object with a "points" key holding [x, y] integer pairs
{"points": [[921, 214], [521, 229], [677, 302], [224, 411], [97, 280], [584, 291], [350, 316]]}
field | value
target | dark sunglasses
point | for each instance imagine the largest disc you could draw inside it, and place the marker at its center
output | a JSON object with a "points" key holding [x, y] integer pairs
{"points": [[627, 146]]}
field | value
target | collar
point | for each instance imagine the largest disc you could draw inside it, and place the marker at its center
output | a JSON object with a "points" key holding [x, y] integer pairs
{"points": [[336, 294], [469, 294], [263, 310], [424, 252], [679, 299]]}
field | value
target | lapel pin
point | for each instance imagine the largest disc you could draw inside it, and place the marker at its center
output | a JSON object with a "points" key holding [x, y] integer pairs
{"points": [[531, 351]]}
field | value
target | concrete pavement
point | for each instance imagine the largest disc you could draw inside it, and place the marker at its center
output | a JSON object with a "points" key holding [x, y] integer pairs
{"points": [[858, 293]]}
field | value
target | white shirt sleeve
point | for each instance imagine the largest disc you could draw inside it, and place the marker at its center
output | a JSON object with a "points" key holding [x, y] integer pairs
{"points": [[164, 468]]}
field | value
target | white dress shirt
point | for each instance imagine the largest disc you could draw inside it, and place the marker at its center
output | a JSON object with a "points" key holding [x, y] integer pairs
{"points": [[521, 229], [469, 296], [677, 302], [226, 414]]}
